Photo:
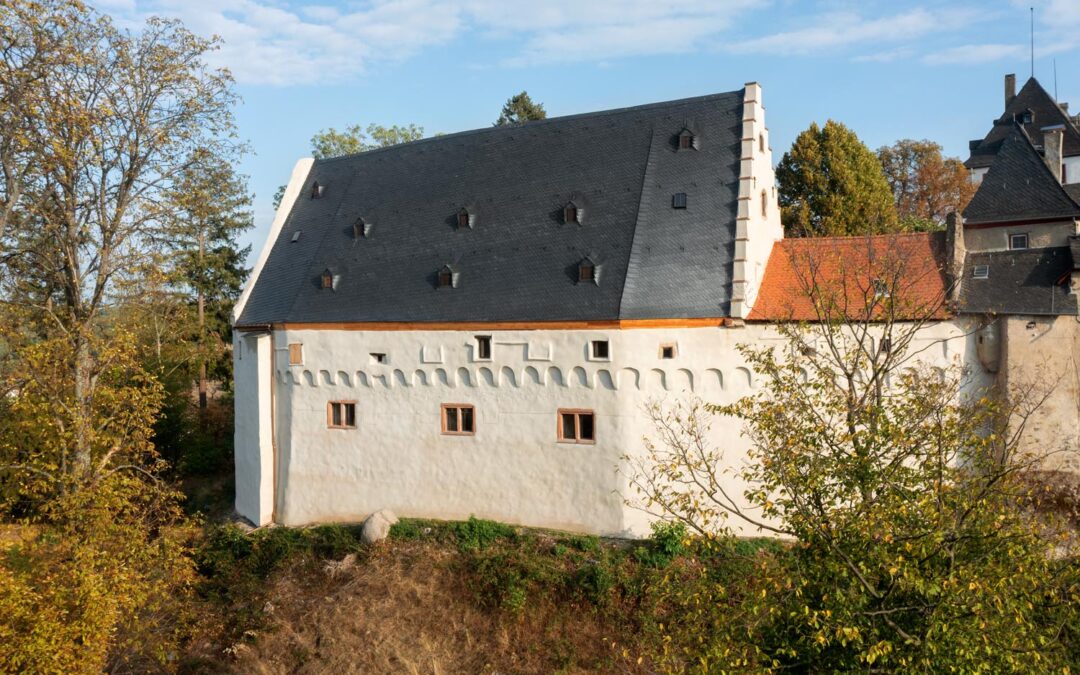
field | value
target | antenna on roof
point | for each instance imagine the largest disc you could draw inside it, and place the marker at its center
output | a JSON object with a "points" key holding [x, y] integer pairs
{"points": [[1032, 41]]}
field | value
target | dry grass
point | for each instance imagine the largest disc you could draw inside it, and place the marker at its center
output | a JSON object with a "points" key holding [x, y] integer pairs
{"points": [[404, 610]]}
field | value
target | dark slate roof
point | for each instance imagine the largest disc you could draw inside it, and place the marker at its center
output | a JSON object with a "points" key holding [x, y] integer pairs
{"points": [[1046, 113], [1031, 281], [518, 261], [1018, 187]]}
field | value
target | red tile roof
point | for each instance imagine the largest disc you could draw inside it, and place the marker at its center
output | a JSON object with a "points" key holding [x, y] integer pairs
{"points": [[901, 276]]}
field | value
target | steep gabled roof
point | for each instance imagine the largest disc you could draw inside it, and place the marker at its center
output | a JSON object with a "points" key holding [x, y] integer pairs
{"points": [[1030, 281], [1019, 186], [1045, 111], [812, 278], [518, 262]]}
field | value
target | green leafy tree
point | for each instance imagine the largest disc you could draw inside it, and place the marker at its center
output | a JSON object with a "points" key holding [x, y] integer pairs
{"points": [[926, 185], [832, 184], [912, 521], [520, 109]]}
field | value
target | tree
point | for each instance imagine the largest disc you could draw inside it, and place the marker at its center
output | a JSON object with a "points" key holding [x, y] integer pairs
{"points": [[520, 109], [914, 541], [925, 185], [832, 184], [209, 208], [353, 139], [123, 118]]}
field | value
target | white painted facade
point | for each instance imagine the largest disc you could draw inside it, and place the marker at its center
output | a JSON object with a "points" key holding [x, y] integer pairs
{"points": [[513, 469]]}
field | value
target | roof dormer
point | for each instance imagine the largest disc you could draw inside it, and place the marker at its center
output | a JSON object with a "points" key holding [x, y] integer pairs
{"points": [[447, 277], [687, 140], [572, 212], [588, 272], [361, 229]]}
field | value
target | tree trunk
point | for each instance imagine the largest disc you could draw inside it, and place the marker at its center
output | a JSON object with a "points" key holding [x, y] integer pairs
{"points": [[83, 394], [202, 329]]}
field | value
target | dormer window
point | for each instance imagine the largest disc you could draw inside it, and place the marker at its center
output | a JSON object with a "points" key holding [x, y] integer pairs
{"points": [[686, 139], [1026, 117], [570, 213], [361, 229], [447, 277], [678, 200], [327, 280], [464, 218], [587, 271], [316, 190]]}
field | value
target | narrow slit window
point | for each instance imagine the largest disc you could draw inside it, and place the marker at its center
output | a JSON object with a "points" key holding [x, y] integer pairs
{"points": [[600, 349], [483, 347], [458, 419], [570, 213], [761, 142], [886, 345], [764, 204], [341, 414], [446, 277], [316, 190], [678, 200], [576, 426], [327, 280], [378, 357], [463, 219], [296, 354]]}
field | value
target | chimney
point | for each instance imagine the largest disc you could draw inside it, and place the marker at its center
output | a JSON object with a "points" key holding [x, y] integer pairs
{"points": [[1010, 88], [1052, 138], [956, 252]]}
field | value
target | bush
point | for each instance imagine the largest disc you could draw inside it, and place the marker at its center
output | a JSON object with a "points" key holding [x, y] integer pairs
{"points": [[668, 541], [476, 534]]}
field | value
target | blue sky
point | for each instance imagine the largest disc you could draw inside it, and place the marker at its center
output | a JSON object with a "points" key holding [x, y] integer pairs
{"points": [[888, 70]]}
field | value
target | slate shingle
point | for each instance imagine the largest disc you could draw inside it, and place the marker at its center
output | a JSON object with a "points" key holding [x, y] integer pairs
{"points": [[1046, 113], [1031, 281], [519, 260]]}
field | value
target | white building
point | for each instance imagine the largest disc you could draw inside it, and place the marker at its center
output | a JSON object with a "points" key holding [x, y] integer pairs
{"points": [[472, 323]]}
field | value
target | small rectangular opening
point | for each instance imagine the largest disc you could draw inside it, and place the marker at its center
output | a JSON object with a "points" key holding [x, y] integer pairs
{"points": [[667, 351], [1018, 241], [458, 419], [600, 349], [483, 347], [886, 345], [678, 200], [577, 426], [296, 236], [980, 272], [378, 357], [296, 354], [341, 414]]}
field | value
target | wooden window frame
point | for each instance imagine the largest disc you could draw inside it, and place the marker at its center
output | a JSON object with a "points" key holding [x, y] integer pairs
{"points": [[456, 406], [570, 214], [582, 277], [577, 413], [330, 414], [686, 141], [296, 353], [446, 278], [483, 341], [669, 345]]}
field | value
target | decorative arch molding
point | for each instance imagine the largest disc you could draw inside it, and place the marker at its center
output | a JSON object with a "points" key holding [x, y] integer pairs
{"points": [[555, 376], [464, 377], [713, 378], [508, 376], [604, 379], [684, 380], [419, 378], [580, 378], [533, 376], [629, 377], [309, 378], [743, 378], [362, 379], [326, 378], [487, 377], [401, 379], [442, 377], [343, 378], [656, 379]]}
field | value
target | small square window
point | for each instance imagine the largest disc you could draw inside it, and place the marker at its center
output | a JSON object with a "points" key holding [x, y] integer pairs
{"points": [[600, 349], [378, 357], [686, 141], [341, 414], [1018, 241], [458, 419], [463, 218], [667, 351], [881, 288], [576, 426], [586, 271], [980, 272], [678, 200], [296, 354], [327, 280], [483, 347], [886, 345]]}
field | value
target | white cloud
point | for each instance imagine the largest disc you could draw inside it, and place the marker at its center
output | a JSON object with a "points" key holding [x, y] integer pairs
{"points": [[844, 29], [887, 56], [967, 55]]}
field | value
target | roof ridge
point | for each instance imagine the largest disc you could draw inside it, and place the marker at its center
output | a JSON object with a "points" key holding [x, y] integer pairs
{"points": [[535, 123]]}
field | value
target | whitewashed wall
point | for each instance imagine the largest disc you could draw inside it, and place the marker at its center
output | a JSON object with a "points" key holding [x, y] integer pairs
{"points": [[513, 469]]}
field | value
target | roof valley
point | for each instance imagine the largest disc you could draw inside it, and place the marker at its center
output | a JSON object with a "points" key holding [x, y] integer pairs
{"points": [[634, 253]]}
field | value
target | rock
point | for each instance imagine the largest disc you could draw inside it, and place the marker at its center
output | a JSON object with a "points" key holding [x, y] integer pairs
{"points": [[377, 526]]}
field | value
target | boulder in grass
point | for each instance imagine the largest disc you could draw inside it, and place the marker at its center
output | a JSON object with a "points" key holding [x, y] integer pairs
{"points": [[377, 526]]}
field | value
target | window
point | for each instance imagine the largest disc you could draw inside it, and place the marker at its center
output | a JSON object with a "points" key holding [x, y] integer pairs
{"points": [[576, 426], [886, 345], [570, 213], [678, 200], [1018, 241], [458, 419], [446, 277], [341, 414], [764, 204], [586, 270], [361, 228], [686, 139], [463, 219], [600, 349], [761, 142], [296, 354], [483, 347], [316, 190], [296, 236], [667, 351], [980, 272], [378, 357], [881, 288], [327, 280]]}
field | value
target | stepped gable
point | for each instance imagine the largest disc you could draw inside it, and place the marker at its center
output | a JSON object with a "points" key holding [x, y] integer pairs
{"points": [[845, 274], [388, 221], [1019, 187], [1045, 112]]}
